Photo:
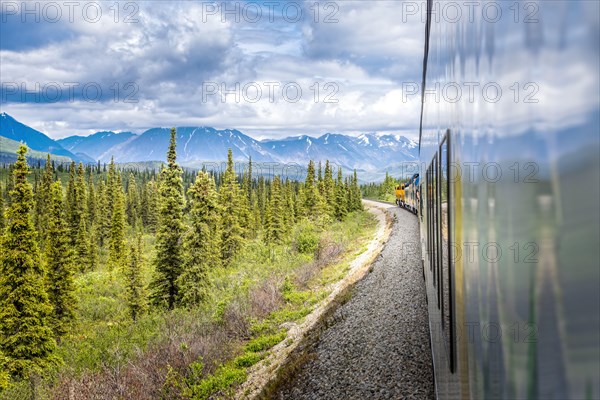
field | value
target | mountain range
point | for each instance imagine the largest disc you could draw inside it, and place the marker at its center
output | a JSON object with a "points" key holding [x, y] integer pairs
{"points": [[370, 154]]}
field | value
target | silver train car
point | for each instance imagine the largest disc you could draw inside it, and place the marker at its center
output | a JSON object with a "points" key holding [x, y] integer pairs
{"points": [[510, 188]]}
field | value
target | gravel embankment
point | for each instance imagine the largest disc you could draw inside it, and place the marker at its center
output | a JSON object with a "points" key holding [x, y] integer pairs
{"points": [[378, 344]]}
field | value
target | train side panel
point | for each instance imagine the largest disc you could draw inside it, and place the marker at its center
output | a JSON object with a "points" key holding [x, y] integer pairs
{"points": [[510, 187]]}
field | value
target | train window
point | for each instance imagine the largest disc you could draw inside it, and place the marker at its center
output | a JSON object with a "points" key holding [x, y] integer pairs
{"points": [[428, 198], [446, 269], [436, 226]]}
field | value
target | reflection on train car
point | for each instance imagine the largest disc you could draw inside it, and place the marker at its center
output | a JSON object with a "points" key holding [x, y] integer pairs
{"points": [[519, 324], [407, 194]]}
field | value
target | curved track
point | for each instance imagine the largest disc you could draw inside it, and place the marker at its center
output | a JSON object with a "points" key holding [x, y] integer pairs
{"points": [[377, 346]]}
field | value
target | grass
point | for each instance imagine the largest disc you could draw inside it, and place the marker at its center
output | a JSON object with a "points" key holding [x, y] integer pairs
{"points": [[206, 351]]}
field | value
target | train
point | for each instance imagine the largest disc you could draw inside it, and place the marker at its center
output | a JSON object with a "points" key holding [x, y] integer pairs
{"points": [[508, 198], [407, 194]]}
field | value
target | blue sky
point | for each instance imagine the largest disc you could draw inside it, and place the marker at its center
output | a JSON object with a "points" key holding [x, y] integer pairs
{"points": [[291, 67]]}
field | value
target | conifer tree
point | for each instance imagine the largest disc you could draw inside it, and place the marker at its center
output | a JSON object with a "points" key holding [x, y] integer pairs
{"points": [[43, 200], [229, 195], [102, 222], [245, 200], [261, 199], [1, 210], [356, 193], [152, 206], [60, 265], [340, 197], [71, 205], [290, 206], [93, 250], [10, 184], [27, 339], [77, 208], [312, 206], [82, 247], [91, 201], [329, 189], [4, 375], [169, 258], [116, 251], [143, 211], [132, 200], [275, 227], [136, 292], [202, 241]]}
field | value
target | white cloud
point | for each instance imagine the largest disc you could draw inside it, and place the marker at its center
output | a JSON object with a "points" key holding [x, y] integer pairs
{"points": [[176, 47]]}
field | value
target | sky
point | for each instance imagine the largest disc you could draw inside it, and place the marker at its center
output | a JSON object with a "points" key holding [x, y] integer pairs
{"points": [[269, 68]]}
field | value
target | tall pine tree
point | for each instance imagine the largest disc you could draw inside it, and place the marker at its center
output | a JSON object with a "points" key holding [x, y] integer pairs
{"points": [[312, 202], [340, 208], [116, 251], [59, 264], [275, 227], [169, 257], [27, 338], [202, 241], [1, 210], [135, 290], [229, 198], [43, 200]]}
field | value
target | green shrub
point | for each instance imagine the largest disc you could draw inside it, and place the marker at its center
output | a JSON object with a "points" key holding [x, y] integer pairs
{"points": [[306, 239], [248, 359], [220, 382], [262, 343]]}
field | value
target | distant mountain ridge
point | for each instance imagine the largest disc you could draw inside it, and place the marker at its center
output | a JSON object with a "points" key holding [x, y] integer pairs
{"points": [[371, 154], [12, 129]]}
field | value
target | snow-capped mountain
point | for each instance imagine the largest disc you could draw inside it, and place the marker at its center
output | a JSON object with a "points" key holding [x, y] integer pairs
{"points": [[96, 145], [370, 154], [193, 144]]}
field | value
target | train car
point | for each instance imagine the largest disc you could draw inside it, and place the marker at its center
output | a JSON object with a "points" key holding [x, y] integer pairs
{"points": [[510, 224], [411, 189], [400, 195], [407, 194]]}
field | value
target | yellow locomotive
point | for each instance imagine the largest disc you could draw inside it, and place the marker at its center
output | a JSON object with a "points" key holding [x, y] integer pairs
{"points": [[407, 194]]}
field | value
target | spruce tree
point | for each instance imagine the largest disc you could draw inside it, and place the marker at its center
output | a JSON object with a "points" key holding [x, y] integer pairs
{"points": [[78, 217], [169, 258], [356, 193], [202, 241], [143, 210], [60, 265], [245, 201], [10, 183], [93, 250], [275, 227], [4, 375], [136, 292], [102, 217], [71, 205], [116, 251], [82, 247], [229, 198], [152, 206], [329, 189], [290, 206], [1, 210], [27, 338], [261, 199], [132, 200], [91, 201], [43, 200], [312, 203], [340, 197]]}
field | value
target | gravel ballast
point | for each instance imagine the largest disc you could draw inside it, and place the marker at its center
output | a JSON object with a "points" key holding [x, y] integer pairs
{"points": [[377, 345]]}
